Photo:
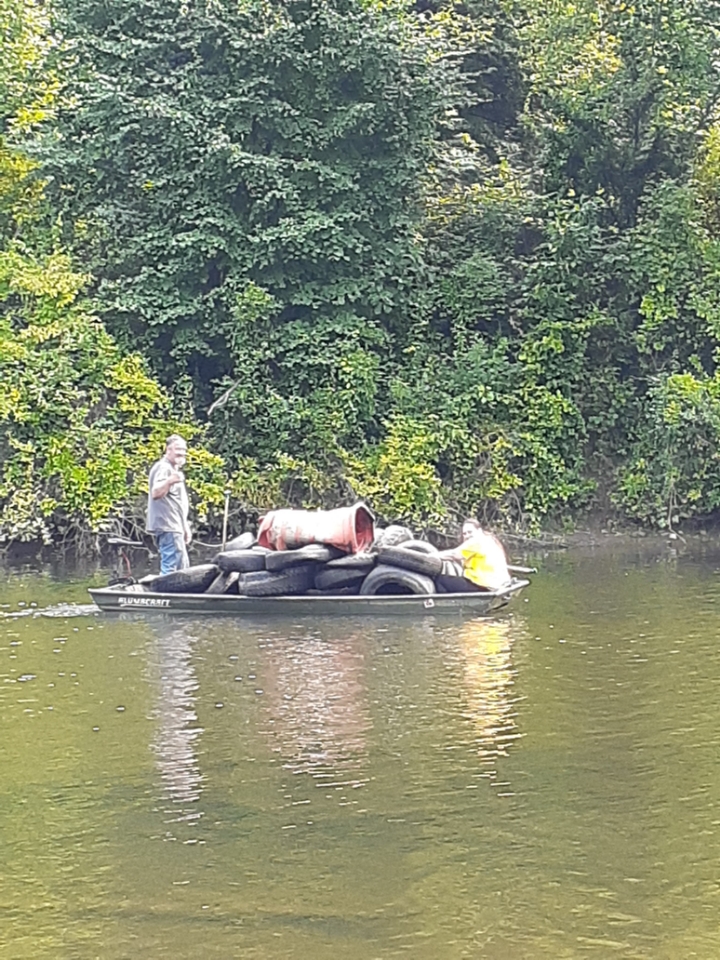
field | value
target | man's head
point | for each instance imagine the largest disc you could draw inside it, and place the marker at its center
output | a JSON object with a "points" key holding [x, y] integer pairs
{"points": [[469, 528], [176, 450]]}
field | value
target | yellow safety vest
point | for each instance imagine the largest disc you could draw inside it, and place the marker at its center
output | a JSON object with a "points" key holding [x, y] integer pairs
{"points": [[484, 561]]}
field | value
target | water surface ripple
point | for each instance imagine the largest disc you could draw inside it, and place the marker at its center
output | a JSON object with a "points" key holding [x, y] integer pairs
{"points": [[539, 785]]}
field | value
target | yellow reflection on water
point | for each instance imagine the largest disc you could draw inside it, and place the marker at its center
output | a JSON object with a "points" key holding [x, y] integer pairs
{"points": [[488, 674]]}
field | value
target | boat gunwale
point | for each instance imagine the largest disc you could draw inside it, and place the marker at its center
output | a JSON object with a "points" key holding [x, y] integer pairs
{"points": [[195, 602]]}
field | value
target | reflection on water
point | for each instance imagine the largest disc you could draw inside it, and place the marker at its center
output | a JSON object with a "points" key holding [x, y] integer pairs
{"points": [[604, 843], [488, 673], [315, 704], [173, 677]]}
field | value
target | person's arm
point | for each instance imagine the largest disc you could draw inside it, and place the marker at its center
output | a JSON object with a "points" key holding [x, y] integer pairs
{"points": [[452, 554], [162, 486]]}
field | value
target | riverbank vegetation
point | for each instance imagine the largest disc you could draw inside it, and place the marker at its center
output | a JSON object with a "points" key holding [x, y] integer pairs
{"points": [[449, 259]]}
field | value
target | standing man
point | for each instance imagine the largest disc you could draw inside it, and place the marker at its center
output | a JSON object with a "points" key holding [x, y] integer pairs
{"points": [[168, 507]]}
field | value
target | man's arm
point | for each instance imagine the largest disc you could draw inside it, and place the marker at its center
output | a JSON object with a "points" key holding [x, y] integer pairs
{"points": [[162, 486]]}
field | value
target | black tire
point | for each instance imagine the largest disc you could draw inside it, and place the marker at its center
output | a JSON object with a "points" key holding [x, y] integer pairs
{"points": [[350, 590], [121, 581], [391, 581], [242, 542], [223, 582], [218, 584], [288, 582], [357, 561], [234, 579], [191, 580], [330, 578], [428, 563], [419, 546], [240, 561], [391, 536], [278, 560]]}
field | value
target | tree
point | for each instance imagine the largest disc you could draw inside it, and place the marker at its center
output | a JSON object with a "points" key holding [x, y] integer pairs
{"points": [[224, 158], [79, 420], [584, 256]]}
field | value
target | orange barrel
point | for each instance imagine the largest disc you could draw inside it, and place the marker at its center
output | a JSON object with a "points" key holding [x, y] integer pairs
{"points": [[351, 529]]}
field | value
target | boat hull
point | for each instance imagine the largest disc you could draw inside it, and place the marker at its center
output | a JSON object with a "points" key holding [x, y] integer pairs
{"points": [[116, 599]]}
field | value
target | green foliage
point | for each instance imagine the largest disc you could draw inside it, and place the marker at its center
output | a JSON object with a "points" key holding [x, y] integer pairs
{"points": [[619, 92], [473, 434], [26, 86], [236, 146], [451, 260], [674, 471], [673, 271], [399, 476], [590, 253], [79, 420]]}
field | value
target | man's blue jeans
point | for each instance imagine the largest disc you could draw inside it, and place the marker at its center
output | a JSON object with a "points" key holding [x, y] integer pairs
{"points": [[173, 552]]}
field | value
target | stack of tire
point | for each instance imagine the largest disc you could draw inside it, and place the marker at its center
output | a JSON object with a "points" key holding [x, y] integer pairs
{"points": [[397, 563]]}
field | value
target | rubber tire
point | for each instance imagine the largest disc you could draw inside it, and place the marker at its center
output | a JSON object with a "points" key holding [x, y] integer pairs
{"points": [[191, 580], [428, 563], [278, 560], [350, 590], [288, 582], [223, 582], [391, 536], [121, 581], [330, 578], [356, 561], [419, 546], [242, 542], [240, 561], [383, 578], [233, 581]]}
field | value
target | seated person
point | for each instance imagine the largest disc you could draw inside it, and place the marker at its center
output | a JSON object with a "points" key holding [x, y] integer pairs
{"points": [[480, 561]]}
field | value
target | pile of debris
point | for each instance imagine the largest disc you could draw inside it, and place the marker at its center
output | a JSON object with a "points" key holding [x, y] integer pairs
{"points": [[394, 562]]}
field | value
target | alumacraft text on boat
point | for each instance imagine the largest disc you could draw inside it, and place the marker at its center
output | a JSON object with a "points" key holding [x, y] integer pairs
{"points": [[142, 602]]}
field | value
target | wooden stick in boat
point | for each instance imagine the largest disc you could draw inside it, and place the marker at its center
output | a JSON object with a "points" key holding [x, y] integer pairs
{"points": [[225, 518]]}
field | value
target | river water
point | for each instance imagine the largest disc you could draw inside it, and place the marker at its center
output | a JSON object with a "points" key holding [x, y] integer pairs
{"points": [[544, 784]]}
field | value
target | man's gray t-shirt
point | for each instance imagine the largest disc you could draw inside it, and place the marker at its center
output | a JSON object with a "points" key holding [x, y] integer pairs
{"points": [[168, 513]]}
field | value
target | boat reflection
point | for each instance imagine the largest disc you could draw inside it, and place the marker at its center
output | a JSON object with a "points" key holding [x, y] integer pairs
{"points": [[489, 676], [316, 710], [175, 741]]}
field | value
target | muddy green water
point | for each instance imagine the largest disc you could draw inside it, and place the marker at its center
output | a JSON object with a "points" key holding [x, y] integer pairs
{"points": [[544, 784]]}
